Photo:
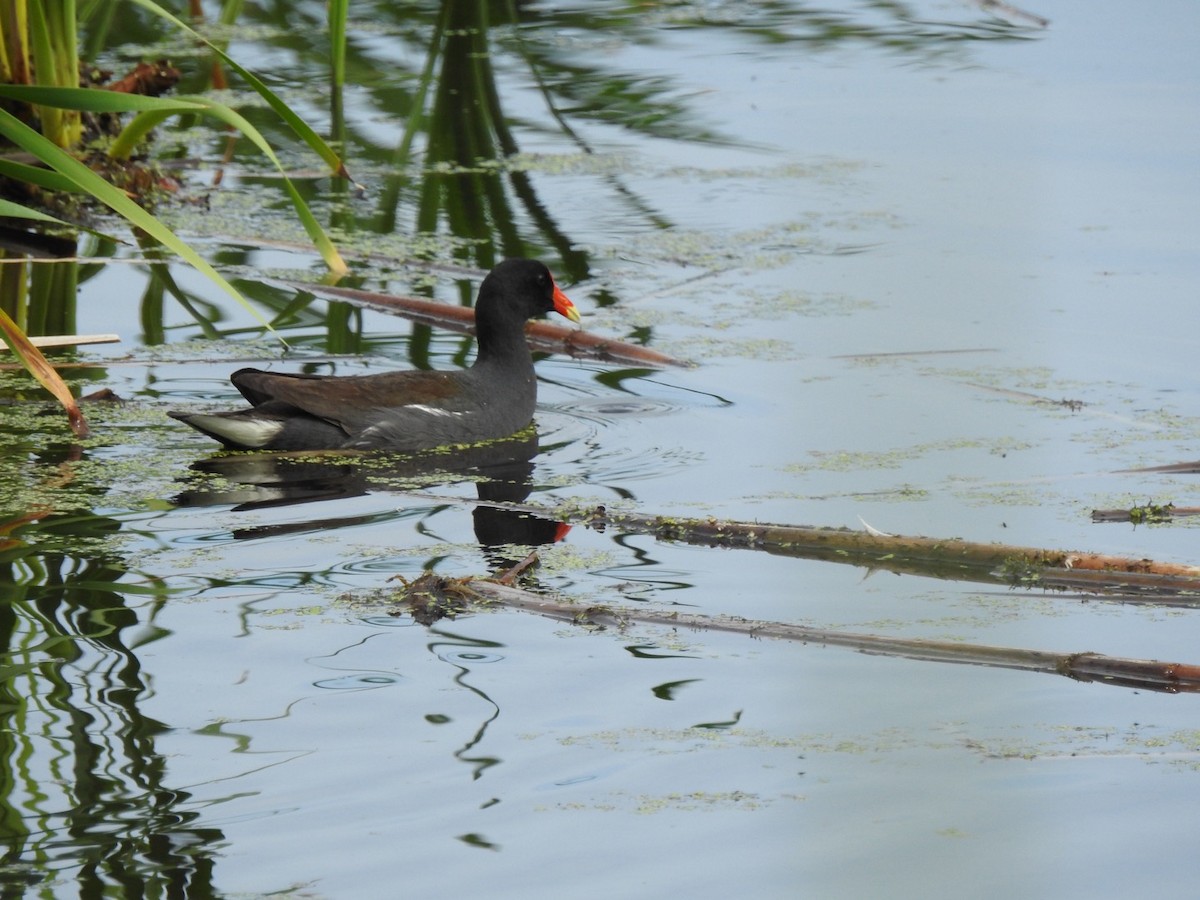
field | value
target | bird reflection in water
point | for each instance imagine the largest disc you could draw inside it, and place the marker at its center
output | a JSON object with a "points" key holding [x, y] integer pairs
{"points": [[502, 470]]}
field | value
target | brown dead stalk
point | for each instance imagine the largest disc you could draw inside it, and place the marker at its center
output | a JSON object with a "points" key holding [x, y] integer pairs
{"points": [[542, 335], [938, 557], [432, 597], [954, 558]]}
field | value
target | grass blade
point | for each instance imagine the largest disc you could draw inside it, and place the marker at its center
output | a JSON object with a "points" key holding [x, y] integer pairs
{"points": [[12, 210], [153, 110], [89, 182], [95, 99], [298, 125], [39, 367]]}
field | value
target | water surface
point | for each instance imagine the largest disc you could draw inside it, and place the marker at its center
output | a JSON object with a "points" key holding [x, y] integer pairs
{"points": [[891, 238]]}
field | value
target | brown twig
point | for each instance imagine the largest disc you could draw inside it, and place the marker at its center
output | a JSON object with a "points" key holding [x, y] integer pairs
{"points": [[956, 559], [1121, 671], [1183, 468], [511, 574], [882, 550], [147, 79], [542, 335]]}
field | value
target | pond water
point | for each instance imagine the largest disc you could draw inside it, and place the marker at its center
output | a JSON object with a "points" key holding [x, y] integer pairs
{"points": [[892, 239]]}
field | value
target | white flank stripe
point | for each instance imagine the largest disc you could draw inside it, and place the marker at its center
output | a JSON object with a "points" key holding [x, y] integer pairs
{"points": [[433, 410], [247, 432]]}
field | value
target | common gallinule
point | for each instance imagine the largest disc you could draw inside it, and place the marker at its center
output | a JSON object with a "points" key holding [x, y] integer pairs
{"points": [[415, 410]]}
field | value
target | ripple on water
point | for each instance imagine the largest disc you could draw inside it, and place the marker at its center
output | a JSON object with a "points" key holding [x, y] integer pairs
{"points": [[224, 536], [360, 682], [469, 657], [575, 435], [607, 410], [385, 565], [582, 778], [389, 621]]}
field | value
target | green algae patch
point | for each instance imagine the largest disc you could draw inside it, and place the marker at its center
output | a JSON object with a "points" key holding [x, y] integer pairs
{"points": [[803, 303], [1147, 744], [129, 462], [870, 460], [759, 248], [701, 801]]}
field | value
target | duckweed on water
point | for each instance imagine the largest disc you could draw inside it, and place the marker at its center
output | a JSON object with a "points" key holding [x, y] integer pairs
{"points": [[244, 349], [1150, 513], [44, 472], [681, 740], [702, 346], [1000, 495], [564, 559], [699, 801], [847, 461], [759, 248], [1030, 378], [252, 210], [774, 306], [902, 493], [1145, 742], [569, 163], [831, 171]]}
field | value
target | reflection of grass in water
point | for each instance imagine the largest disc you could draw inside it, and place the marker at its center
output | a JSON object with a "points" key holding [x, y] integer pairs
{"points": [[890, 27]]}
